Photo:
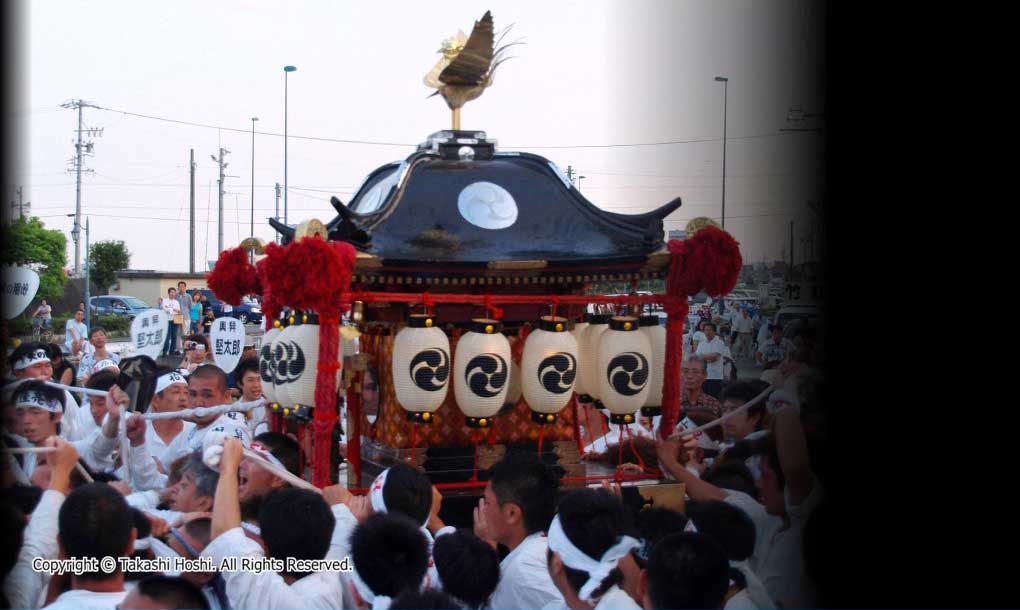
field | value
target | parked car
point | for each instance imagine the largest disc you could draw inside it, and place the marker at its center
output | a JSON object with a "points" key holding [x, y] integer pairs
{"points": [[244, 312], [789, 313], [118, 306]]}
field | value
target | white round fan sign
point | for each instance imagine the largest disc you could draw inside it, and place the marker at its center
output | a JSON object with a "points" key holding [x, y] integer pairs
{"points": [[19, 287], [148, 332], [227, 338]]}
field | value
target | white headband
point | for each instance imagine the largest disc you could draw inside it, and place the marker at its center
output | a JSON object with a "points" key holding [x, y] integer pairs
{"points": [[263, 451], [379, 602], [31, 358], [104, 364], [34, 399], [165, 381], [782, 395], [573, 557], [375, 493]]}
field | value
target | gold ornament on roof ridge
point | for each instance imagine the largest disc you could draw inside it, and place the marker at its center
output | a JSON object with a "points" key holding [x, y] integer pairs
{"points": [[468, 65]]}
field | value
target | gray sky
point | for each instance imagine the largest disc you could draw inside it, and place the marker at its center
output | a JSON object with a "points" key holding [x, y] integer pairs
{"points": [[591, 74]]}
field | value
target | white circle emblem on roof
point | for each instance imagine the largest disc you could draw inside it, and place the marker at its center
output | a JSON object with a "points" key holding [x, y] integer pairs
{"points": [[487, 205]]}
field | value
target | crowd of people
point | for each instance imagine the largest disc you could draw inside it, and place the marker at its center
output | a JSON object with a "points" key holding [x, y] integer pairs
{"points": [[195, 487]]}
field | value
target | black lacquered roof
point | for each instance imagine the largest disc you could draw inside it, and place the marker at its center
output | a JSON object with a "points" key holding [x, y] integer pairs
{"points": [[452, 203]]}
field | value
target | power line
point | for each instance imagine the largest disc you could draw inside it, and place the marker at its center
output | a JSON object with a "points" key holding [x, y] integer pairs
{"points": [[409, 144]]}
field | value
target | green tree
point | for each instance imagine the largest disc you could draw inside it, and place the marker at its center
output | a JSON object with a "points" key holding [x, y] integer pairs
{"points": [[107, 258], [30, 243]]}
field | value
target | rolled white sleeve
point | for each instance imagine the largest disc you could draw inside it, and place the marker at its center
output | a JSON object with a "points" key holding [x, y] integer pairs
{"points": [[144, 474], [23, 584]]}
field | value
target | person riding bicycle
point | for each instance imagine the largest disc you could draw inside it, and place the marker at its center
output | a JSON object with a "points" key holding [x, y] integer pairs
{"points": [[42, 316]]}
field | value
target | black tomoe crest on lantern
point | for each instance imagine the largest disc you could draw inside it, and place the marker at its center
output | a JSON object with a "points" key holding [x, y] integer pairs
{"points": [[421, 368], [628, 373], [482, 372], [486, 375], [556, 373], [430, 369], [267, 364], [624, 354]]}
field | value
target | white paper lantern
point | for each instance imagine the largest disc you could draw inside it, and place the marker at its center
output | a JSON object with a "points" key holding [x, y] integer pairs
{"points": [[481, 372], [577, 332], [514, 390], [421, 368], [549, 368], [283, 353], [267, 365], [588, 353], [624, 358], [303, 366], [657, 337]]}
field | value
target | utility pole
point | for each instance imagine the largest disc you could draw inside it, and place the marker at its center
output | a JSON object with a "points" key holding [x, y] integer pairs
{"points": [[21, 206], [88, 276], [277, 217], [191, 250], [223, 166], [80, 149], [791, 249]]}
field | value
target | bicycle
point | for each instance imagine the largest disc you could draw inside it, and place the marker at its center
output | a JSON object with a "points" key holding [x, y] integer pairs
{"points": [[41, 330]]}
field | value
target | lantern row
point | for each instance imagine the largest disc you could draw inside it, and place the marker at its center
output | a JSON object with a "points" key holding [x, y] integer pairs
{"points": [[615, 362]]}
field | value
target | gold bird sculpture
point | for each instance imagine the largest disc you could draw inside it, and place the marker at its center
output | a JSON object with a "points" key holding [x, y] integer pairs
{"points": [[467, 65]]}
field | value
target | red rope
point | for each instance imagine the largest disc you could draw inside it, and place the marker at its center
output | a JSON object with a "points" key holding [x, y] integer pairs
{"points": [[541, 437], [301, 449], [630, 438], [414, 441], [577, 424], [587, 425], [354, 442], [427, 301], [555, 304], [619, 459], [474, 470]]}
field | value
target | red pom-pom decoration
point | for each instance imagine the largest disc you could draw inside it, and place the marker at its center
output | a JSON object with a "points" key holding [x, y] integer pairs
{"points": [[233, 277], [721, 262], [311, 274]]}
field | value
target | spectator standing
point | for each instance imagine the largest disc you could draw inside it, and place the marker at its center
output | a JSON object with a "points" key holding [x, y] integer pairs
{"points": [[195, 313], [692, 398], [75, 332], [172, 308], [207, 320], [711, 350], [97, 336], [743, 326], [771, 353], [185, 301]]}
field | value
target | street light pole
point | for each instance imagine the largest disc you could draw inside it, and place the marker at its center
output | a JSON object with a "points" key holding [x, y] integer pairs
{"points": [[726, 85], [253, 119], [286, 70], [579, 179]]}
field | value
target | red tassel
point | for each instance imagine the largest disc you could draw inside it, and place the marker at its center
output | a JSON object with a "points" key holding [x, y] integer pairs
{"points": [[325, 397], [577, 425], [233, 276]]}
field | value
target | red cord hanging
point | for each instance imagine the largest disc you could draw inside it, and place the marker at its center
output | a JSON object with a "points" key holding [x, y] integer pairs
{"points": [[541, 437], [577, 425], [477, 437], [414, 441], [630, 439]]}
